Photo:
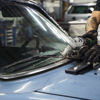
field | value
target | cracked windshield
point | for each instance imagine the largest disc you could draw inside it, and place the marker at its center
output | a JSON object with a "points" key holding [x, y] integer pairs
{"points": [[28, 40]]}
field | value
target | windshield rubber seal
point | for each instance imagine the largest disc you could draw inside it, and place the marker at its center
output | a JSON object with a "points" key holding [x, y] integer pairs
{"points": [[36, 71]]}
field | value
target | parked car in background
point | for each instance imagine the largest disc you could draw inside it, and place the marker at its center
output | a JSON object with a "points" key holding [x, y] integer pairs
{"points": [[33, 61], [77, 27], [79, 11]]}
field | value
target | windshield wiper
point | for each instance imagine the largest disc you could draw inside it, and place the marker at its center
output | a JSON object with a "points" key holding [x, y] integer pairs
{"points": [[32, 58]]}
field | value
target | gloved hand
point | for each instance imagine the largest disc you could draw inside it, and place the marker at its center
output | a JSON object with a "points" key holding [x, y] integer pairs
{"points": [[89, 39], [77, 53], [93, 55]]}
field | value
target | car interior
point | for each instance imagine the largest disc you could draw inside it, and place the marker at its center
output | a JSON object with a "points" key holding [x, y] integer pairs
{"points": [[14, 36]]}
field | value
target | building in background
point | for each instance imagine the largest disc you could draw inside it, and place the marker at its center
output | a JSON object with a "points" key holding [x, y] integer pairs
{"points": [[57, 8], [53, 7]]}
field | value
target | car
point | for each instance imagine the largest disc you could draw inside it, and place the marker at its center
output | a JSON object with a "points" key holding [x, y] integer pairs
{"points": [[33, 61], [77, 11], [77, 27]]}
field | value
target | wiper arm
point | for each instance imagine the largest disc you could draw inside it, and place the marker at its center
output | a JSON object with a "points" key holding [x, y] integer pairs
{"points": [[32, 58]]}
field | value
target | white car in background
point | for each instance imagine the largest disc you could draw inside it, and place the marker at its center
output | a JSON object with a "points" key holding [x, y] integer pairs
{"points": [[79, 11]]}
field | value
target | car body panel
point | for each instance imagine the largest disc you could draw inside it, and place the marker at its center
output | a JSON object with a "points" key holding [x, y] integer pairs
{"points": [[33, 96], [31, 83], [71, 17], [55, 82], [24, 88], [80, 86]]}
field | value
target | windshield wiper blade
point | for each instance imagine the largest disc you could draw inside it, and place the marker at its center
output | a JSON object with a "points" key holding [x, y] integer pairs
{"points": [[32, 58]]}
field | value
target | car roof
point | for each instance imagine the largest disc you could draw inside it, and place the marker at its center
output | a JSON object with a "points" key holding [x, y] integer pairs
{"points": [[29, 3], [20, 1], [16, 0], [26, 2]]}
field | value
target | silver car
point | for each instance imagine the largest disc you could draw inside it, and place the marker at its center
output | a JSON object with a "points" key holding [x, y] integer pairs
{"points": [[79, 11]]}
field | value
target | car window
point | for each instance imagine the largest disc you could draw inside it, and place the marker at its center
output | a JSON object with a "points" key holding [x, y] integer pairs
{"points": [[25, 36], [81, 9]]}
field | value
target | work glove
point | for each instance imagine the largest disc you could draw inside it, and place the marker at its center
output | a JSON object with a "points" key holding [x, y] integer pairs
{"points": [[78, 53], [93, 55], [91, 38]]}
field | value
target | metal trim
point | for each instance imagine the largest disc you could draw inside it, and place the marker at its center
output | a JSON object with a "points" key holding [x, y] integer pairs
{"points": [[37, 71]]}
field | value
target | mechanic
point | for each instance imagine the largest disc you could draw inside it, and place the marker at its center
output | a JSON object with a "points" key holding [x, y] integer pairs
{"points": [[90, 50], [93, 54]]}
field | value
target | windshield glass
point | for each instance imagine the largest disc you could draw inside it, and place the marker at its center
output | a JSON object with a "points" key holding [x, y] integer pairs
{"points": [[81, 9], [28, 40]]}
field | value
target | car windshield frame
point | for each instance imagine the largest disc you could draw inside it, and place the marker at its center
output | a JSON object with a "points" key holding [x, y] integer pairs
{"points": [[63, 37]]}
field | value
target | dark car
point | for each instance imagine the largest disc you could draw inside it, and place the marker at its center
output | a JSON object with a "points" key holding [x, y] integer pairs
{"points": [[33, 61]]}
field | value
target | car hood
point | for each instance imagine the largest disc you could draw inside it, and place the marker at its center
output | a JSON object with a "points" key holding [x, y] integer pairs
{"points": [[56, 82]]}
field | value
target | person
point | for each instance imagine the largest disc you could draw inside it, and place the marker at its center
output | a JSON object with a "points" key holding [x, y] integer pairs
{"points": [[90, 52], [93, 54]]}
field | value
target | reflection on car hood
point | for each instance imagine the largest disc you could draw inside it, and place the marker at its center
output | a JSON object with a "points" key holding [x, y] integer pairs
{"points": [[55, 83]]}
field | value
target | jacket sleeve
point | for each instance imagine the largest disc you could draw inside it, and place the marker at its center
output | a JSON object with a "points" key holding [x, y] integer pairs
{"points": [[97, 7]]}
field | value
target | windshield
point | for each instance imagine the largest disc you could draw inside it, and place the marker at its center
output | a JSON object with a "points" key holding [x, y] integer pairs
{"points": [[81, 9], [28, 40]]}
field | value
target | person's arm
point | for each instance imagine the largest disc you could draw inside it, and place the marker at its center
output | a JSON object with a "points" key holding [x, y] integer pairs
{"points": [[93, 22], [92, 27], [93, 54]]}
